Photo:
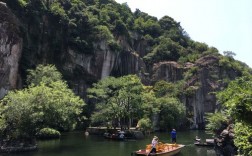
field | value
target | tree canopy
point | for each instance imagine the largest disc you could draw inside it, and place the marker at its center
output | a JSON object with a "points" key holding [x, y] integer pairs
{"points": [[124, 98], [46, 102], [118, 99]]}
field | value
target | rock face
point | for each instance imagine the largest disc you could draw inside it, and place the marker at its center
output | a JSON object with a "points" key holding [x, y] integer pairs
{"points": [[203, 83], [10, 50], [83, 67], [167, 71]]}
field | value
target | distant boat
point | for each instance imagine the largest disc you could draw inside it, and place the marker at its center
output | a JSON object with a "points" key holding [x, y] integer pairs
{"points": [[164, 150], [209, 143], [120, 136]]}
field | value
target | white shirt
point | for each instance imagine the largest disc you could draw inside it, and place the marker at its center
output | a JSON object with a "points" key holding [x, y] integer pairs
{"points": [[154, 143]]}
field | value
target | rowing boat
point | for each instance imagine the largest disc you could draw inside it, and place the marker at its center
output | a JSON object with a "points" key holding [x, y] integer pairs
{"points": [[162, 150]]}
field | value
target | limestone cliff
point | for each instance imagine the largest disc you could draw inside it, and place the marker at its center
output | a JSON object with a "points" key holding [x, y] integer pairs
{"points": [[10, 50], [28, 40]]}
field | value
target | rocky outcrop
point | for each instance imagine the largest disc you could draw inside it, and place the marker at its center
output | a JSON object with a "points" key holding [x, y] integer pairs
{"points": [[84, 69], [224, 142], [204, 83], [10, 50], [168, 71], [204, 80]]}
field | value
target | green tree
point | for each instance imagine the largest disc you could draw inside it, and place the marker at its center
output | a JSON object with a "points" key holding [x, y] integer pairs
{"points": [[46, 74], [167, 50], [118, 99], [163, 88], [47, 102], [229, 54], [171, 114], [145, 124], [216, 122]]}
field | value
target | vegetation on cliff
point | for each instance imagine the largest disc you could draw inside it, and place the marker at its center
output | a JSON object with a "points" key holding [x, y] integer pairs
{"points": [[78, 24], [54, 31]]}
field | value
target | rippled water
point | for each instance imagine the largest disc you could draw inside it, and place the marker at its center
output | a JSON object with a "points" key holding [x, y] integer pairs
{"points": [[77, 144]]}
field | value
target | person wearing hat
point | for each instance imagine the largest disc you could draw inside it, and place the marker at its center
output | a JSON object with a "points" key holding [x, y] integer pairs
{"points": [[154, 143]]}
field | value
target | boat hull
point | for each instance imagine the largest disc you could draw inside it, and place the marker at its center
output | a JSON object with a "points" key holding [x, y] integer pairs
{"points": [[204, 144], [171, 152]]}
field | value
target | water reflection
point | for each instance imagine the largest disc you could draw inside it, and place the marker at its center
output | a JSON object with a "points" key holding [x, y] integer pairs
{"points": [[78, 144]]}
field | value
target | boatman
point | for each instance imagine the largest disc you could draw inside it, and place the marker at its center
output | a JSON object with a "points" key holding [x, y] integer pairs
{"points": [[154, 143], [174, 136]]}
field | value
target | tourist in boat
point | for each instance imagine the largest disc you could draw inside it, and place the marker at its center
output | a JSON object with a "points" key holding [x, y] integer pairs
{"points": [[197, 139], [154, 143], [174, 136]]}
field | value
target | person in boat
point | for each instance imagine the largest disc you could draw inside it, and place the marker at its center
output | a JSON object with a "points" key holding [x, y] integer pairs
{"points": [[154, 143], [121, 135], [197, 139], [174, 136]]}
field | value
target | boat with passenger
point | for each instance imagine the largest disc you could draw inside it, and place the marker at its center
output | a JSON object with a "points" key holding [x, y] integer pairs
{"points": [[208, 142], [163, 149]]}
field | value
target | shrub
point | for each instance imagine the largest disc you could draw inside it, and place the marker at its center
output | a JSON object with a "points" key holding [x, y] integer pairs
{"points": [[48, 133], [144, 124]]}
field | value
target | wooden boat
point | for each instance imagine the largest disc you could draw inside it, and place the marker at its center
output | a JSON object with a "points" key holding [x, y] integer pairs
{"points": [[203, 144], [209, 143], [162, 150]]}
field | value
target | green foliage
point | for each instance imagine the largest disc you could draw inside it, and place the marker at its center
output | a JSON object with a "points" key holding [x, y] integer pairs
{"points": [[216, 122], [47, 102], [191, 72], [237, 98], [46, 74], [145, 24], [229, 54], [58, 10], [167, 23], [200, 47], [228, 63], [103, 33], [120, 28], [163, 88], [150, 104], [243, 139], [144, 124], [166, 50], [15, 116], [117, 98], [114, 46], [23, 3], [211, 51], [173, 30], [48, 133], [172, 112], [191, 90]]}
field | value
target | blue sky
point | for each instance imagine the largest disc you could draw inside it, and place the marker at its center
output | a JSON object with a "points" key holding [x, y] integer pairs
{"points": [[224, 24]]}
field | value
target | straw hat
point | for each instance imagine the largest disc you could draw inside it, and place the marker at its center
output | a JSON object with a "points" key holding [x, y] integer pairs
{"points": [[155, 137]]}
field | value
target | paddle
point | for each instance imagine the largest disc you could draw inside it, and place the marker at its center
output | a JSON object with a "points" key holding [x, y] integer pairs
{"points": [[150, 151]]}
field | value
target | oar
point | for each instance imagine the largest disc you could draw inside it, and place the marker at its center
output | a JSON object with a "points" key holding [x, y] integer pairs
{"points": [[150, 151]]}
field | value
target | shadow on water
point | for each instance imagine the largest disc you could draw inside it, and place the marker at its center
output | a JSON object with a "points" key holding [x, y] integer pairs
{"points": [[77, 144]]}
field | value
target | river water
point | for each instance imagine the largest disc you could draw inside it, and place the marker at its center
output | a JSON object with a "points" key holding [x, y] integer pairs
{"points": [[77, 144]]}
